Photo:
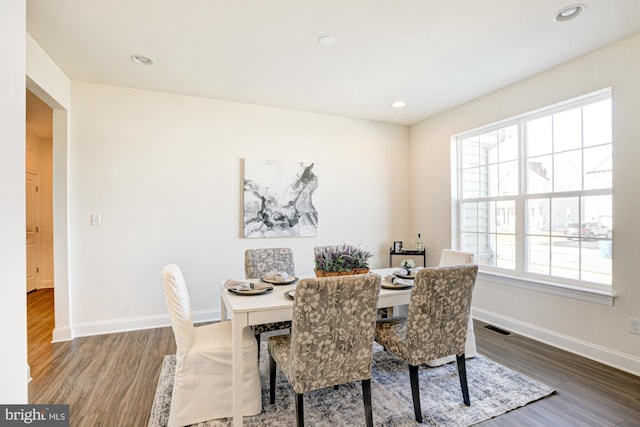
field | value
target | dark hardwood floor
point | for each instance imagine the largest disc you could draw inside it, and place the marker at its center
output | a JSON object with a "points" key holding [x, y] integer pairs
{"points": [[110, 380]]}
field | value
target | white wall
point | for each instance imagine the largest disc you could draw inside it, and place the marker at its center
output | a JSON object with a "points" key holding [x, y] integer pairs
{"points": [[165, 174], [595, 330], [47, 81], [13, 363]]}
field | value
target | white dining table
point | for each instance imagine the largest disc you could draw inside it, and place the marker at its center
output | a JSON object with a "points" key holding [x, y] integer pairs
{"points": [[275, 306]]}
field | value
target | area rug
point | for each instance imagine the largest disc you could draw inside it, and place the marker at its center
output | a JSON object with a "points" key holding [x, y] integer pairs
{"points": [[493, 389]]}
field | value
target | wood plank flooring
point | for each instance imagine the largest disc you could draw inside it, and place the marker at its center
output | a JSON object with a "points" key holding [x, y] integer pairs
{"points": [[110, 380]]}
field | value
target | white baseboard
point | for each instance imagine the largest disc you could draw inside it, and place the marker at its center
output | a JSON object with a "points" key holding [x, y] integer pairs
{"points": [[46, 284], [136, 323], [615, 359], [62, 334]]}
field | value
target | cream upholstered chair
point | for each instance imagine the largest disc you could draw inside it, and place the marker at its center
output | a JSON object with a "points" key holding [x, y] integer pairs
{"points": [[203, 380], [257, 263], [449, 257], [331, 340], [436, 325]]}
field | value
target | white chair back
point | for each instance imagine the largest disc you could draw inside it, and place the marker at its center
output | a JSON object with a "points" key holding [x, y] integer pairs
{"points": [[179, 306], [450, 257]]}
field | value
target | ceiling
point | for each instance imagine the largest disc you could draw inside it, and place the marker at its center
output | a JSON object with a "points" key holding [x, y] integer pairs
{"points": [[39, 117], [433, 54]]}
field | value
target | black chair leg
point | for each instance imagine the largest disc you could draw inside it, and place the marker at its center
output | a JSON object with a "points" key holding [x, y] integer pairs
{"points": [[462, 373], [299, 410], [258, 339], [272, 380], [415, 392], [366, 397]]}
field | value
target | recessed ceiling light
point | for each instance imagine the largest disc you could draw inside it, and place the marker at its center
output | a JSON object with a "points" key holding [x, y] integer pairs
{"points": [[142, 60], [326, 40], [398, 104], [570, 12]]}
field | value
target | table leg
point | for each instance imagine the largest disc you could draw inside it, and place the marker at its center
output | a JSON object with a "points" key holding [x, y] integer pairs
{"points": [[223, 309], [238, 324]]}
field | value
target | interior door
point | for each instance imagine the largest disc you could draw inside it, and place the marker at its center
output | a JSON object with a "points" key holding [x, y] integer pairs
{"points": [[32, 230]]}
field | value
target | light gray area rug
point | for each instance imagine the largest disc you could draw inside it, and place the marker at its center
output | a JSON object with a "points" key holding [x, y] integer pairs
{"points": [[493, 389]]}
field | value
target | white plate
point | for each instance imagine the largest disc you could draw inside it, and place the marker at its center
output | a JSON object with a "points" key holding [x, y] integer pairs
{"points": [[288, 281]]}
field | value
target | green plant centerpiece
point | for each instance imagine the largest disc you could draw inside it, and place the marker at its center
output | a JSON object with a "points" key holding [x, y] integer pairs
{"points": [[341, 260]]}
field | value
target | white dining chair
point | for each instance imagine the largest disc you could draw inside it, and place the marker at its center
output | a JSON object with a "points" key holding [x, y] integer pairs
{"points": [[203, 383]]}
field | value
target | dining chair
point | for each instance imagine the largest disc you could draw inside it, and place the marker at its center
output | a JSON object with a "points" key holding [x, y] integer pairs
{"points": [[203, 375], [449, 257], [257, 263], [331, 340], [435, 326], [320, 250]]}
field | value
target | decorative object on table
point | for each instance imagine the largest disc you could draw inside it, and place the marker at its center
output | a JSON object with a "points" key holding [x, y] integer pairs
{"points": [[419, 243], [340, 260], [397, 246], [407, 264], [202, 380], [279, 199], [323, 318], [436, 325], [495, 390]]}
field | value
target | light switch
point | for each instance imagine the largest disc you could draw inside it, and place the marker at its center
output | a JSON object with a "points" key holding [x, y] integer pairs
{"points": [[95, 219]]}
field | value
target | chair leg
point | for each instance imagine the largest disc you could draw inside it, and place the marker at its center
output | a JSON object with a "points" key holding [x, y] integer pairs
{"points": [[366, 397], [272, 380], [299, 410], [415, 392], [258, 339], [462, 373]]}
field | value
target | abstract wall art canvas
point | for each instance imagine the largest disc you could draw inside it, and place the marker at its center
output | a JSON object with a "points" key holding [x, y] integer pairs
{"points": [[279, 198]]}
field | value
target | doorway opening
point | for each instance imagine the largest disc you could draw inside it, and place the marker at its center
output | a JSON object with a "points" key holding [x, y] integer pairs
{"points": [[39, 229]]}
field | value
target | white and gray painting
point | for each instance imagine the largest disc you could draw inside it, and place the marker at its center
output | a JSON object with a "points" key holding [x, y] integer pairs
{"points": [[278, 198]]}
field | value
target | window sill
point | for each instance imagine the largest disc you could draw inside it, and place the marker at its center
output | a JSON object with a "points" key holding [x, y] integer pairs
{"points": [[599, 296]]}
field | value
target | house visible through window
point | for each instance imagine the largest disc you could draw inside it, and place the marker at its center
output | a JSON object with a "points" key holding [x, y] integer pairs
{"points": [[534, 193]]}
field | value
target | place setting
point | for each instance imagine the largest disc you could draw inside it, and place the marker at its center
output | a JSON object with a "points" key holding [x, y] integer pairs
{"points": [[279, 278], [247, 288], [402, 278]]}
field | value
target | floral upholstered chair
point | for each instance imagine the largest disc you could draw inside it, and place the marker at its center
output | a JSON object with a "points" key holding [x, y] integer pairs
{"points": [[449, 257], [257, 263], [331, 340], [436, 325]]}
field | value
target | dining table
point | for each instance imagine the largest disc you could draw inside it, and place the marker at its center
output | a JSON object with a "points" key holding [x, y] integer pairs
{"points": [[276, 306]]}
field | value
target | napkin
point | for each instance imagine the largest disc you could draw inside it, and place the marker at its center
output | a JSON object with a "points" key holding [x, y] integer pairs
{"points": [[239, 286], [398, 281], [277, 276]]}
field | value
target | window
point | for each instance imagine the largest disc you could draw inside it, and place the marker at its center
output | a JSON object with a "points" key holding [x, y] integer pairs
{"points": [[534, 193]]}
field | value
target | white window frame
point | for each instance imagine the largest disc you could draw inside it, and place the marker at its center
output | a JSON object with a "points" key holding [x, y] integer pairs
{"points": [[589, 291]]}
